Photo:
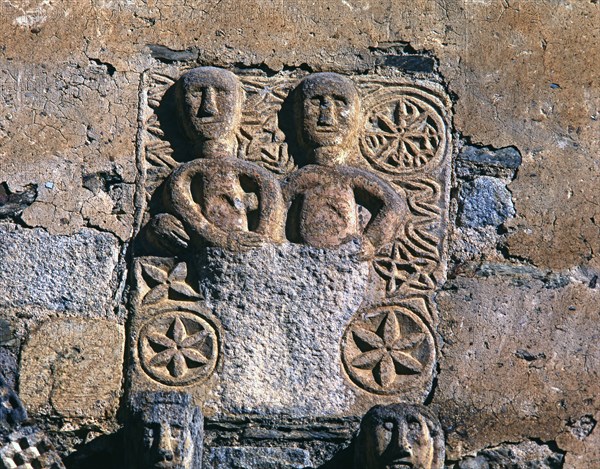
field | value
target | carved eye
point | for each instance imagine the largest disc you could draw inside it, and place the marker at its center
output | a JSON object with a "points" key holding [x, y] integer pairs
{"points": [[340, 101], [389, 426], [148, 437], [196, 93], [176, 433], [415, 430]]}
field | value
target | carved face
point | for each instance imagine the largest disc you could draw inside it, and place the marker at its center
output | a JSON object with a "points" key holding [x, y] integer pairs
{"points": [[167, 432], [330, 109], [167, 441], [209, 102], [397, 437]]}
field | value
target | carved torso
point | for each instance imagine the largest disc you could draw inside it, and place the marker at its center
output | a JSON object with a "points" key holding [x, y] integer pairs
{"points": [[225, 203], [328, 213]]}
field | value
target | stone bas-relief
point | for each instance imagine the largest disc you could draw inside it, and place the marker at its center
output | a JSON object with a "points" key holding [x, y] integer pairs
{"points": [[399, 435], [290, 243], [163, 430], [292, 239]]}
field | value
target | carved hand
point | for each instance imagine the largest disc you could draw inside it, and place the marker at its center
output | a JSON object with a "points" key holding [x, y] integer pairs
{"points": [[243, 240], [367, 251], [167, 232]]}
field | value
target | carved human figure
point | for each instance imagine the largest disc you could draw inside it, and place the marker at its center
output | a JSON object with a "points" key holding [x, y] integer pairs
{"points": [[164, 430], [397, 436], [328, 202], [216, 199]]}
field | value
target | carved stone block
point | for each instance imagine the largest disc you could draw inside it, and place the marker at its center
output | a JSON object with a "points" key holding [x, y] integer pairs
{"points": [[72, 367], [28, 448], [163, 429], [288, 256], [399, 435]]}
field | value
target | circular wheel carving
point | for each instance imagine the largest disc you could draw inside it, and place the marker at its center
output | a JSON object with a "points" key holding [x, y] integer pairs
{"points": [[388, 350], [404, 132], [178, 348]]}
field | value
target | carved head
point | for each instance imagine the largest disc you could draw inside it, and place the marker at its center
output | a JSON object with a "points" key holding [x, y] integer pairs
{"points": [[165, 431], [329, 107], [399, 436], [209, 102]]}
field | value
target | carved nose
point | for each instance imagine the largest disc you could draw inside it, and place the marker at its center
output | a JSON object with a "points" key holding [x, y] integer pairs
{"points": [[403, 446], [326, 114], [165, 450], [209, 103]]}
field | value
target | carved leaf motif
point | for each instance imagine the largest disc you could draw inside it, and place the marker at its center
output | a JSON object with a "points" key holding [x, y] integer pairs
{"points": [[411, 341], [155, 273], [391, 329], [368, 360], [179, 272], [195, 339], [178, 365], [178, 331], [368, 337], [172, 357], [184, 290], [386, 374], [163, 358], [407, 361], [386, 348], [194, 355], [161, 340], [155, 295]]}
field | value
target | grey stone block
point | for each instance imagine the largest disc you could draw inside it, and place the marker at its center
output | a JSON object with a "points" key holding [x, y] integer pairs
{"points": [[475, 161], [283, 310], [60, 273], [253, 457], [483, 202]]}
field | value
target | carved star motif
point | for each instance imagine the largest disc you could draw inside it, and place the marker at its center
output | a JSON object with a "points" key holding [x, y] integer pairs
{"points": [[387, 351], [166, 283], [406, 138], [179, 349], [399, 268]]}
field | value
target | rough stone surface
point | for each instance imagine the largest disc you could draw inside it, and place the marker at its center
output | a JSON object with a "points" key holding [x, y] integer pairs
{"points": [[72, 368], [526, 455], [487, 162], [58, 273], [12, 412], [520, 358], [484, 201], [243, 457], [281, 334]]}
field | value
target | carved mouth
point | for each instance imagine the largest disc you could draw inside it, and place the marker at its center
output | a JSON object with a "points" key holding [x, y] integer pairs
{"points": [[399, 464], [165, 465], [327, 130]]}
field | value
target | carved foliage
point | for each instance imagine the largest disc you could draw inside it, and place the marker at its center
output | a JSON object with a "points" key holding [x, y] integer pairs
{"points": [[178, 347], [404, 130], [178, 344], [388, 350], [410, 264]]}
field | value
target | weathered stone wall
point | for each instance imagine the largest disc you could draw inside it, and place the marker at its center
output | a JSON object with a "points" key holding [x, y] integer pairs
{"points": [[518, 359]]}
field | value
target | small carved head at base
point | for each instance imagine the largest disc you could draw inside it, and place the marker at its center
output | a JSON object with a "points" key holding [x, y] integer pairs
{"points": [[164, 430], [328, 107], [209, 104], [399, 436]]}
